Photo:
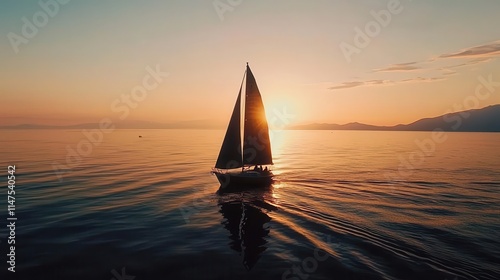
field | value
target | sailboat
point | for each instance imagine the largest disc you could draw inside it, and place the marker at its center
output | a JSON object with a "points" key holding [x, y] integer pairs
{"points": [[246, 161]]}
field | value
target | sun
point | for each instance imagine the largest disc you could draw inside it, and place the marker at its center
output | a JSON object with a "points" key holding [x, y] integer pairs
{"points": [[280, 115]]}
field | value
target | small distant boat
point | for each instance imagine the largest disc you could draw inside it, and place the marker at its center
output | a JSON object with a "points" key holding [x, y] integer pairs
{"points": [[246, 163]]}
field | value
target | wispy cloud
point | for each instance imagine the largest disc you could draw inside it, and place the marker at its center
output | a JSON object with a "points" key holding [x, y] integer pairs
{"points": [[484, 51], [447, 71], [472, 62], [353, 84], [478, 54], [470, 56], [348, 85], [360, 83], [473, 55], [421, 79], [409, 66]]}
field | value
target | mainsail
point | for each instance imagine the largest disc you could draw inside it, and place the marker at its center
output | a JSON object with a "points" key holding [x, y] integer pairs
{"points": [[256, 143]]}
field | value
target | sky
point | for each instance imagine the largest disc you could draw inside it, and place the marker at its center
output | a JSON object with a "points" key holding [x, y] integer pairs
{"points": [[380, 62]]}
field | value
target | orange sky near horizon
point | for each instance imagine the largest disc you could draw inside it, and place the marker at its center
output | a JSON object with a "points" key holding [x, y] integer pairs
{"points": [[375, 62]]}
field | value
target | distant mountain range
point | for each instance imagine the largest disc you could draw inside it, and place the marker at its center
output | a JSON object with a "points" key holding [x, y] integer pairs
{"points": [[479, 120]]}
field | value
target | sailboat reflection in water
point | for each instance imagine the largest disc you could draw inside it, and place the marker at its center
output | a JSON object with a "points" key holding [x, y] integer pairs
{"points": [[254, 155], [245, 217]]}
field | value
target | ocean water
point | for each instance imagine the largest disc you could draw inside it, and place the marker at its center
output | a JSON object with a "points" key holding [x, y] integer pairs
{"points": [[345, 205]]}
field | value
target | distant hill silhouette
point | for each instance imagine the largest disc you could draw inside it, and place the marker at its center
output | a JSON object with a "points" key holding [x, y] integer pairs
{"points": [[478, 120]]}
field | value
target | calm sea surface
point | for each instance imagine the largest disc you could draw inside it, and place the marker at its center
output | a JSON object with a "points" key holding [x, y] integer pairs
{"points": [[346, 205]]}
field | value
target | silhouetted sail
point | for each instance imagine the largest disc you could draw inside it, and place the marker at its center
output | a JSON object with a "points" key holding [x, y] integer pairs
{"points": [[256, 145], [230, 152]]}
